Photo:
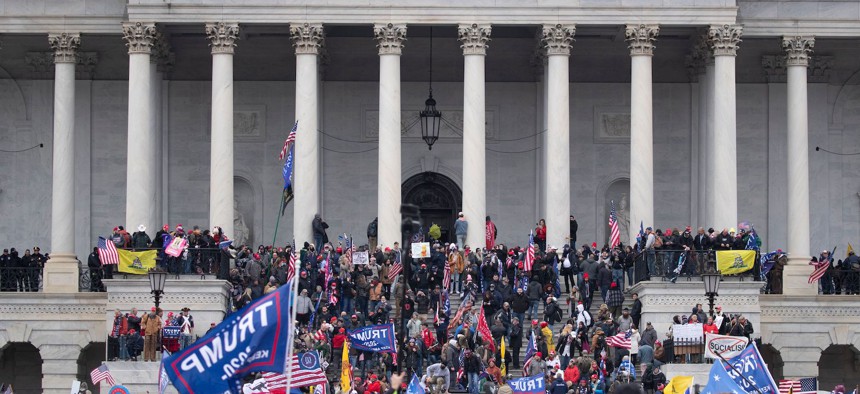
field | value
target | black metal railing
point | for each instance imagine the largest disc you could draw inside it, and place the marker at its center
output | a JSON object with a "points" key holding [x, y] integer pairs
{"points": [[21, 279], [192, 261], [666, 265]]}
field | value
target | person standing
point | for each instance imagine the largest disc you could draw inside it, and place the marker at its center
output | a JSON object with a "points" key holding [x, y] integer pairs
{"points": [[573, 228], [373, 233], [151, 323], [140, 239], [461, 228], [186, 328], [492, 233], [540, 234], [320, 237], [116, 340]]}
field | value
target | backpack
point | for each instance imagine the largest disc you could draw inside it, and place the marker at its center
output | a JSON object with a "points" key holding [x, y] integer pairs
{"points": [[589, 322]]}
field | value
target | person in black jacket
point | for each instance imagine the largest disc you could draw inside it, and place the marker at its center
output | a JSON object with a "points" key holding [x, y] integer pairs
{"points": [[472, 367], [320, 237], [372, 231], [516, 342], [95, 267]]}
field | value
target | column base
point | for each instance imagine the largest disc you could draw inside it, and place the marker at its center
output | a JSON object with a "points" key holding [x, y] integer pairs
{"points": [[61, 274], [796, 277]]}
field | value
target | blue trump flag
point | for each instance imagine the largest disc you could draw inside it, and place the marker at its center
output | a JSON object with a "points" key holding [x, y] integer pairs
{"points": [[288, 179], [251, 340], [414, 386], [528, 385], [719, 380], [373, 338], [750, 372]]}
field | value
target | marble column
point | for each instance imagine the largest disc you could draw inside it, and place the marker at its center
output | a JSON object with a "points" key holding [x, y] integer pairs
{"points": [[155, 76], [61, 272], [222, 39], [389, 41], [640, 40], [307, 39], [797, 51], [473, 39], [558, 41], [710, 192], [697, 64], [141, 177], [724, 42]]}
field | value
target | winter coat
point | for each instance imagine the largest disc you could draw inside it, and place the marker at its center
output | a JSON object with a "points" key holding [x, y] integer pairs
{"points": [[151, 323], [140, 240]]}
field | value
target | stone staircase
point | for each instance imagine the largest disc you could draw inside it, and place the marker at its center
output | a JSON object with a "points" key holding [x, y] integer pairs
{"points": [[137, 376]]}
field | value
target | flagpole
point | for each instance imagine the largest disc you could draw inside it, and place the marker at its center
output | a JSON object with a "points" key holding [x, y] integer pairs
{"points": [[278, 221], [294, 285]]}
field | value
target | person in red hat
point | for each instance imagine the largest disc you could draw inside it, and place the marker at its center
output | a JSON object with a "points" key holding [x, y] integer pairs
{"points": [[615, 299]]}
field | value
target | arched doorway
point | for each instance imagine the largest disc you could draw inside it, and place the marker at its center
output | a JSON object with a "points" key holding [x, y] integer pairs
{"points": [[21, 366], [439, 199], [90, 358], [839, 364]]}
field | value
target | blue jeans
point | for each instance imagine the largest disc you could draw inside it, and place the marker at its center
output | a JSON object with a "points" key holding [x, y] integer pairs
{"points": [[533, 311], [185, 340], [603, 291], [346, 305], [618, 277], [630, 272], [473, 382], [373, 305], [318, 240], [650, 256], [123, 347], [461, 240]]}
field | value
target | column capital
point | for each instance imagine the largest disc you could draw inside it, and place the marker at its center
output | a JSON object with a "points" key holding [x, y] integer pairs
{"points": [[797, 49], [474, 38], [558, 39], [724, 39], [308, 38], [139, 36], [640, 39], [389, 37], [65, 46], [222, 36]]}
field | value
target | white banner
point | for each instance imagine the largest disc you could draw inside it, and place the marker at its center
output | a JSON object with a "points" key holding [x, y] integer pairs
{"points": [[421, 250], [687, 332], [727, 346], [361, 257]]}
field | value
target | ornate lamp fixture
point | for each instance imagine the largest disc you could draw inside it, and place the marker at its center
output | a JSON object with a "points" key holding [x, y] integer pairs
{"points": [[430, 117]]}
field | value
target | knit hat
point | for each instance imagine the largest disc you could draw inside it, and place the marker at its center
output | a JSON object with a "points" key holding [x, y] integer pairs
{"points": [[543, 324]]}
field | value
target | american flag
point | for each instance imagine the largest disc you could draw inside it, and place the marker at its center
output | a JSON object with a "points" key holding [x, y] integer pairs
{"points": [[800, 386], [465, 307], [107, 252], [102, 373], [615, 235], [531, 349], [308, 373], [291, 267], [621, 340], [446, 279], [395, 270], [291, 138], [530, 253], [820, 270]]}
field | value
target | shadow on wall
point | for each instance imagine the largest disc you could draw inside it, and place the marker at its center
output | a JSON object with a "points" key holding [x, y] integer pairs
{"points": [[21, 366]]}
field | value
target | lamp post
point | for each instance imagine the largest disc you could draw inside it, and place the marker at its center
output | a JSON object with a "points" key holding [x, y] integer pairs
{"points": [[430, 118], [712, 286], [157, 278]]}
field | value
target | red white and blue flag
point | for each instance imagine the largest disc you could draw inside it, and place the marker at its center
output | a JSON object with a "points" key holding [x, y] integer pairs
{"points": [[800, 386], [291, 267], [530, 253], [620, 340], [291, 138], [530, 352], [306, 371], [614, 234], [107, 252]]}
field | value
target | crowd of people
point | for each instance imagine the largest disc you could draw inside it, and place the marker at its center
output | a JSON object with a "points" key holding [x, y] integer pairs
{"points": [[22, 272], [133, 334]]}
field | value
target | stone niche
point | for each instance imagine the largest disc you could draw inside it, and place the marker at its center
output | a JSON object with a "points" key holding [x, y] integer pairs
{"points": [[207, 298]]}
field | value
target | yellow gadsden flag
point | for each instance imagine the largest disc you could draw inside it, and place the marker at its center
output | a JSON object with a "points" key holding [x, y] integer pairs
{"points": [[345, 370], [138, 263], [678, 385], [731, 262], [502, 352], [849, 250]]}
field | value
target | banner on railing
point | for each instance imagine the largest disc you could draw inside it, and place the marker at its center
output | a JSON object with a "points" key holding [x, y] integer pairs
{"points": [[724, 345], [137, 263], [528, 385], [731, 262], [688, 332]]}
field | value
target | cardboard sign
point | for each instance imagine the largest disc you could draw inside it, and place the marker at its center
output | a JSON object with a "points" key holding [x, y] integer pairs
{"points": [[421, 250], [361, 257], [727, 346], [687, 332]]}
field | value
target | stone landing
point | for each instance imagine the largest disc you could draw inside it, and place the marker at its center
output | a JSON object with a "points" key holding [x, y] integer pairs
{"points": [[138, 377]]}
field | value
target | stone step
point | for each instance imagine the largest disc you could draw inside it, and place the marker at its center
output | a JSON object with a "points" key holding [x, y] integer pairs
{"points": [[137, 376]]}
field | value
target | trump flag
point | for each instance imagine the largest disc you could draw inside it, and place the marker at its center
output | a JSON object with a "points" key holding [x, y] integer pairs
{"points": [[373, 338], [252, 339], [528, 385]]}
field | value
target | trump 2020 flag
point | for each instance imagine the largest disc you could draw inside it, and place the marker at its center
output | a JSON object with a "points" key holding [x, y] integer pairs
{"points": [[250, 340], [373, 338], [288, 179], [719, 381], [528, 385], [750, 372], [414, 386]]}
